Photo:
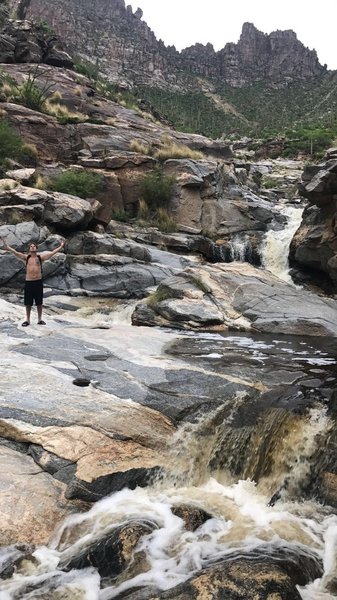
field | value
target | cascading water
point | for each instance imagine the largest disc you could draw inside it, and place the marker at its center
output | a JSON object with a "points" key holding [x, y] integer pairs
{"points": [[242, 521], [275, 250], [240, 247]]}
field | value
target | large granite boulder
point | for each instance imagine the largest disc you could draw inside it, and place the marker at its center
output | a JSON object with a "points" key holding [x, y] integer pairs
{"points": [[62, 211], [239, 297]]}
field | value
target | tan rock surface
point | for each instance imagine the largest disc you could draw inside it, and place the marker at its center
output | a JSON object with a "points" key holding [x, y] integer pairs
{"points": [[95, 454], [31, 501]]}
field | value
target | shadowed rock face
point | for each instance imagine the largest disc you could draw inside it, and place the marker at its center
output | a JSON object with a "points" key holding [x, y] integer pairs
{"points": [[314, 246], [24, 42]]}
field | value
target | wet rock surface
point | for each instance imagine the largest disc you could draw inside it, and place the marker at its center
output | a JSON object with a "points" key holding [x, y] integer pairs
{"points": [[253, 390]]}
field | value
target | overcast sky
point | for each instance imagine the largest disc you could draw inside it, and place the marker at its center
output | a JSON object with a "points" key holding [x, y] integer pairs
{"points": [[184, 22]]}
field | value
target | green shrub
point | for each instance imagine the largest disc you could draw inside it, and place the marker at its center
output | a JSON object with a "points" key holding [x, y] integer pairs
{"points": [[83, 184], [10, 143], [120, 215], [31, 95], [86, 68], [12, 146], [157, 189], [269, 183], [28, 155], [162, 293], [45, 28]]}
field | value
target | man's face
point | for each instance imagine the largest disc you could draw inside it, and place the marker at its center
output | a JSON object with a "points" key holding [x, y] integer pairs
{"points": [[32, 248]]}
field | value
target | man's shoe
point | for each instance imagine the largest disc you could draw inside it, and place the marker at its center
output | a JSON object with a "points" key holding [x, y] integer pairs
{"points": [[25, 324], [41, 322]]}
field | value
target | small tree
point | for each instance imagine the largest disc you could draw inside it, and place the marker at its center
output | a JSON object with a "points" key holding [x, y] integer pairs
{"points": [[83, 184], [13, 146], [10, 142], [157, 189]]}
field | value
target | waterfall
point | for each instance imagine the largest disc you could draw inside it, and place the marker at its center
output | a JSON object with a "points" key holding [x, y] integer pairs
{"points": [[241, 247], [242, 523], [275, 250]]}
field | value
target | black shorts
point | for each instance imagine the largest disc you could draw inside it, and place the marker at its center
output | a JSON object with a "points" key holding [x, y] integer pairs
{"points": [[33, 291]]}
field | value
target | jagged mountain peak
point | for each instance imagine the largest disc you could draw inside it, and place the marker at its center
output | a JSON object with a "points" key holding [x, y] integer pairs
{"points": [[128, 50]]}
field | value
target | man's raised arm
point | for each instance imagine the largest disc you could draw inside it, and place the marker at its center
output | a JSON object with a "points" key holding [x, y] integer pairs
{"points": [[48, 255], [19, 255]]}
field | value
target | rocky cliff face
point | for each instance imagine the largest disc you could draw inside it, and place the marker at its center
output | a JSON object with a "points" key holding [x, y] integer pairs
{"points": [[278, 57], [128, 51], [314, 246]]}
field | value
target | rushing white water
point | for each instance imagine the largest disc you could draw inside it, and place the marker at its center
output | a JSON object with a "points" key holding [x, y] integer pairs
{"points": [[276, 248], [242, 521]]}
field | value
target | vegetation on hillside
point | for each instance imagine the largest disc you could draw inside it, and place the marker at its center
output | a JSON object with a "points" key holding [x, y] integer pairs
{"points": [[77, 182], [305, 112]]}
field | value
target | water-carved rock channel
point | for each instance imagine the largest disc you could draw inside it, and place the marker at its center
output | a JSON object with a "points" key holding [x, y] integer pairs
{"points": [[210, 459]]}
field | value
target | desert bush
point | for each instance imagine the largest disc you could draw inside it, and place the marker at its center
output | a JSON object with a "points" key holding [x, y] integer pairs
{"points": [[42, 183], [111, 121], [164, 221], [174, 150], [28, 155], [31, 95], [197, 281], [64, 115], [76, 182], [143, 210], [137, 146], [86, 68], [120, 215], [72, 117], [55, 97], [6, 90], [13, 146], [157, 189]]}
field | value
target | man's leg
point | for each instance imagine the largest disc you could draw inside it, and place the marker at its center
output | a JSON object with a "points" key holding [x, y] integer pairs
{"points": [[27, 321], [28, 300], [39, 301], [39, 312]]}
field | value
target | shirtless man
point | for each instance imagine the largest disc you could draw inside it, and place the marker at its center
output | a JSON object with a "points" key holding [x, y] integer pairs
{"points": [[33, 283]]}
